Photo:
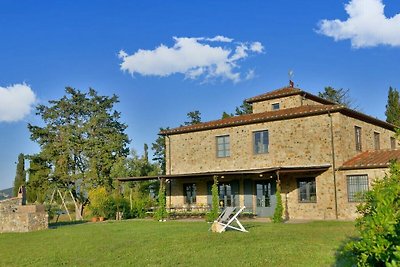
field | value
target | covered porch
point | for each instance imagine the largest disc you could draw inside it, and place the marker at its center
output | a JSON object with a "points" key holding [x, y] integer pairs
{"points": [[255, 189]]}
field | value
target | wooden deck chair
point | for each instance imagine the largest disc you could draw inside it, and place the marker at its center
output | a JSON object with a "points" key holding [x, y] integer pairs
{"points": [[225, 220]]}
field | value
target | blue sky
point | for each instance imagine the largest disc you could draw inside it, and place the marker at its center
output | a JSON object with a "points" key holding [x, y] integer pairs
{"points": [[47, 45]]}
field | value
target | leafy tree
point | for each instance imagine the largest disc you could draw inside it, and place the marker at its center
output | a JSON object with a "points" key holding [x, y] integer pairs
{"points": [[393, 107], [20, 174], [139, 192], [80, 141], [244, 108], [38, 183], [340, 96], [379, 226], [226, 115], [194, 118], [133, 165], [159, 151]]}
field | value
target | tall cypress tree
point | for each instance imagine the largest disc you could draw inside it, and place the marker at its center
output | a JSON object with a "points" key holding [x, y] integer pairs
{"points": [[20, 174], [393, 107]]}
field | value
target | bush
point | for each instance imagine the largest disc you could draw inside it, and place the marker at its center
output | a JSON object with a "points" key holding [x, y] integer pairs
{"points": [[51, 210], [139, 207], [114, 204], [213, 214], [99, 202], [279, 207], [379, 226]]}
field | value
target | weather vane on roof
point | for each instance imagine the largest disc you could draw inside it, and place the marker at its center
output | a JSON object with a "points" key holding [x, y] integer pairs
{"points": [[291, 75]]}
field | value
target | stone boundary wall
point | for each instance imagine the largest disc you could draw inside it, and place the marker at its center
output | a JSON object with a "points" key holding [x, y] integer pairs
{"points": [[15, 217]]}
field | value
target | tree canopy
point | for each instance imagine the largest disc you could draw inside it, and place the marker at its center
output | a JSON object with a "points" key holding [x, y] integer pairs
{"points": [[244, 108], [80, 141], [38, 184], [393, 107], [340, 96], [159, 151], [194, 117], [20, 174]]}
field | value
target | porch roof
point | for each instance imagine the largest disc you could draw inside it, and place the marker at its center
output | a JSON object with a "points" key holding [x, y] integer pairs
{"points": [[282, 169], [372, 159]]}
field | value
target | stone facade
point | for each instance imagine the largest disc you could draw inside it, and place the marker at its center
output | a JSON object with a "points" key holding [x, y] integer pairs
{"points": [[284, 103], [16, 217], [322, 139], [347, 210]]}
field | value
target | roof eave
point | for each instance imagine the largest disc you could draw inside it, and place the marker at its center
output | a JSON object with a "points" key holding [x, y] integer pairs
{"points": [[363, 167], [283, 169], [257, 120]]}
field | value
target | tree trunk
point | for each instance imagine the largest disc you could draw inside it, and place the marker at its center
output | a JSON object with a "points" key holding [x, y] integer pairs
{"points": [[78, 211], [78, 208], [130, 198]]}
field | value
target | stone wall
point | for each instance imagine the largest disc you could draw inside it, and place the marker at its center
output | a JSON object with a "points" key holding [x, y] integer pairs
{"points": [[15, 217], [284, 103], [293, 142], [299, 141], [347, 210], [345, 137]]}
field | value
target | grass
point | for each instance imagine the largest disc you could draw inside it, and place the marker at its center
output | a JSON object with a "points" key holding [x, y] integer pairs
{"points": [[176, 243]]}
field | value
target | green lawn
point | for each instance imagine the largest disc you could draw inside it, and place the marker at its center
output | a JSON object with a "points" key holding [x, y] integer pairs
{"points": [[151, 243]]}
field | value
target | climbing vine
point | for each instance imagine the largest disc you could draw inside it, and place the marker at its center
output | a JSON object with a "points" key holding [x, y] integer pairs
{"points": [[277, 218]]}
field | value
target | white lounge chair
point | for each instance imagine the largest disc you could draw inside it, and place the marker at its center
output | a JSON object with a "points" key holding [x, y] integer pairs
{"points": [[225, 220]]}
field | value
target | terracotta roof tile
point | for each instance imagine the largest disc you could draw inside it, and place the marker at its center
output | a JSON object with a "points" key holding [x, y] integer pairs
{"points": [[302, 111], [296, 112], [372, 159]]}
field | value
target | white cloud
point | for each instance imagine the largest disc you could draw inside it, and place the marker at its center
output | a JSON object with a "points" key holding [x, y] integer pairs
{"points": [[366, 26], [250, 75], [16, 102], [193, 57], [219, 38], [257, 47]]}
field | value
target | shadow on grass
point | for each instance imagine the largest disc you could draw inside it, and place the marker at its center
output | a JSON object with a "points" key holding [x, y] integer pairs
{"points": [[345, 258], [55, 225], [250, 225]]}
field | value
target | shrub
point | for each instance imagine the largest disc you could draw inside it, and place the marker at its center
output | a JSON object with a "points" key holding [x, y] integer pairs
{"points": [[139, 207], [99, 201], [379, 225], [213, 214], [114, 204], [279, 207], [51, 210]]}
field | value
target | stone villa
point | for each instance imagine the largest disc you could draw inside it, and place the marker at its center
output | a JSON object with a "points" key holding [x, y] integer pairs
{"points": [[323, 155]]}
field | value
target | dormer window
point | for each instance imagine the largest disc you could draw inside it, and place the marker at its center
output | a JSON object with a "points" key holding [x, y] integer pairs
{"points": [[275, 106]]}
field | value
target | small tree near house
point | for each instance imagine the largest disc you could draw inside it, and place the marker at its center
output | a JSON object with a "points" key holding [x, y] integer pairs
{"points": [[213, 214], [277, 218]]}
